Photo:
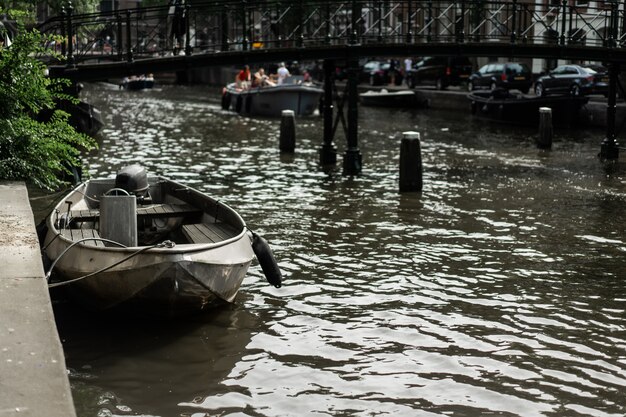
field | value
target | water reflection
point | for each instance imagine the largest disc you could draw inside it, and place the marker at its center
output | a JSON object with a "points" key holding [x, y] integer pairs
{"points": [[496, 291]]}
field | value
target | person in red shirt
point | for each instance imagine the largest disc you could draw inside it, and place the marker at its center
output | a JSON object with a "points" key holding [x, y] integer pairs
{"points": [[242, 80]]}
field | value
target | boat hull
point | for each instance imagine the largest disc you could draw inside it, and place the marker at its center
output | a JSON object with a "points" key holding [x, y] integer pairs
{"points": [[159, 280], [390, 99], [303, 100], [521, 109]]}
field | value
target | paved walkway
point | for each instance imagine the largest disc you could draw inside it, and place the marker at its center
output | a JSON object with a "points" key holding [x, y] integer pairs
{"points": [[33, 377]]}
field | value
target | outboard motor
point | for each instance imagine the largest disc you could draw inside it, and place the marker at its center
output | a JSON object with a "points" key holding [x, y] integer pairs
{"points": [[134, 180]]}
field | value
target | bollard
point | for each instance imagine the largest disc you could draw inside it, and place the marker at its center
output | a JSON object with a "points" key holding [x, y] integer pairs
{"points": [[288, 131], [410, 162], [545, 128]]}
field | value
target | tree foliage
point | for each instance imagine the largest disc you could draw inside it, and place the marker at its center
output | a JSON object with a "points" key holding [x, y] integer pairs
{"points": [[31, 150]]}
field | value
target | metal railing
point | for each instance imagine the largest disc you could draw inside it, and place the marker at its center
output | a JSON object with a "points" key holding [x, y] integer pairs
{"points": [[209, 27]]}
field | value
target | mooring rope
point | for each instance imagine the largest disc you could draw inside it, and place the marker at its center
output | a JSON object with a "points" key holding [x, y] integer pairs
{"points": [[164, 244]]}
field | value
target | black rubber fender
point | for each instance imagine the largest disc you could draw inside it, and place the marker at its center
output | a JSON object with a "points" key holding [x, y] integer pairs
{"points": [[267, 261]]}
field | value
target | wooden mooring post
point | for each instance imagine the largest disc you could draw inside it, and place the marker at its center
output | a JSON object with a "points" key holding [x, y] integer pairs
{"points": [[410, 162], [287, 137], [545, 128]]}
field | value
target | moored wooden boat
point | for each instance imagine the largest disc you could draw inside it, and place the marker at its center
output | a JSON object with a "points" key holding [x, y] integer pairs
{"points": [[504, 106], [386, 98], [302, 98], [148, 242]]}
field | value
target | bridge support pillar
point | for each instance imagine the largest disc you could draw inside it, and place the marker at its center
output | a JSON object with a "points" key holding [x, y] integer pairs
{"points": [[609, 149], [352, 158], [328, 152]]}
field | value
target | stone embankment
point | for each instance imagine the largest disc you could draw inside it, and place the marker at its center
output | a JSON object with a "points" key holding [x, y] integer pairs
{"points": [[33, 376]]}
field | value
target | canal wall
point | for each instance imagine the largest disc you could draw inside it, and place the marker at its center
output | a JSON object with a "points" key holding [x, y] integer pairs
{"points": [[33, 376]]}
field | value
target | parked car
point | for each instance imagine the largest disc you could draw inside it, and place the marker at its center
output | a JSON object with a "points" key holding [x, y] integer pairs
{"points": [[440, 71], [380, 72], [574, 79], [507, 75]]}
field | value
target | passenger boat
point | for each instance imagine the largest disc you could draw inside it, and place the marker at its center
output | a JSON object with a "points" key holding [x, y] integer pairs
{"points": [[152, 243], [505, 106], [385, 98], [301, 97], [138, 83]]}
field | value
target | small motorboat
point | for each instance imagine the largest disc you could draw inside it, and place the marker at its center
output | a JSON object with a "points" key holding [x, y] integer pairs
{"points": [[385, 98], [505, 106], [138, 83], [147, 242], [295, 94]]}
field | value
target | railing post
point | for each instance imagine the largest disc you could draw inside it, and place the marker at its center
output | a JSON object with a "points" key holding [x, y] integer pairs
{"points": [[513, 23], [379, 7], [63, 32], [70, 36], [409, 33], [429, 22], [327, 38], [224, 25], [299, 31], [563, 19], [613, 29], [353, 35], [244, 26], [129, 44], [459, 23], [187, 30]]}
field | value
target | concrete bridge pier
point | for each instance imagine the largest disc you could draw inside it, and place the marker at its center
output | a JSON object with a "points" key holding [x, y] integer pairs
{"points": [[328, 152], [352, 162], [609, 149]]}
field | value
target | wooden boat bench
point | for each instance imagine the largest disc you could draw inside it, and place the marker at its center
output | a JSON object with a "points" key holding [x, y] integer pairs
{"points": [[154, 211], [78, 234], [208, 233]]}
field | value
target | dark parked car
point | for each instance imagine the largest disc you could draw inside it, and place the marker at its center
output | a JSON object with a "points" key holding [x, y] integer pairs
{"points": [[509, 75], [440, 71], [575, 80], [380, 72]]}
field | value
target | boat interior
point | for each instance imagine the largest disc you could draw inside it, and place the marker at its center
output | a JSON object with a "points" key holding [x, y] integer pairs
{"points": [[166, 210]]}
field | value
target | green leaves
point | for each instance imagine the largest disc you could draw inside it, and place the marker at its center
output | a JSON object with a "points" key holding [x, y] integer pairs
{"points": [[30, 150]]}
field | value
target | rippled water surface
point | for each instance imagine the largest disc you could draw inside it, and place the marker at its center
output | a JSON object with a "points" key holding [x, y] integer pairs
{"points": [[499, 290]]}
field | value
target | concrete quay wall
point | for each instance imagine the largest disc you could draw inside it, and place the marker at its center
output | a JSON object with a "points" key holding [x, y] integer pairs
{"points": [[33, 376]]}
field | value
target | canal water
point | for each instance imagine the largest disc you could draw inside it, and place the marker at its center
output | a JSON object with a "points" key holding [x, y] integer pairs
{"points": [[499, 290]]}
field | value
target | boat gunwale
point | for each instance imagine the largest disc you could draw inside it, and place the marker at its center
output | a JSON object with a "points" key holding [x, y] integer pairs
{"points": [[275, 89], [179, 248]]}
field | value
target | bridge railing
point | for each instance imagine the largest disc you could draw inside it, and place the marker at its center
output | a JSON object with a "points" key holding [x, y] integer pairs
{"points": [[216, 26]]}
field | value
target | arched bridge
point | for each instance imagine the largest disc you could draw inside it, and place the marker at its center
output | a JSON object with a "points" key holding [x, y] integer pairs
{"points": [[184, 35], [215, 33]]}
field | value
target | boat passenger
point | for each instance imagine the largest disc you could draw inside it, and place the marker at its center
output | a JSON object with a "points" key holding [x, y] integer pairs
{"points": [[242, 80], [261, 79], [282, 73]]}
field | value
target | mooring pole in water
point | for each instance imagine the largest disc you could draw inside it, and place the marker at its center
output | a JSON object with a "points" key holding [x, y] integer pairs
{"points": [[328, 152], [352, 158], [545, 128], [287, 137], [609, 150], [410, 162]]}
